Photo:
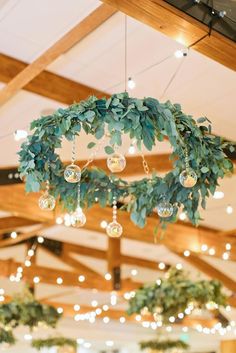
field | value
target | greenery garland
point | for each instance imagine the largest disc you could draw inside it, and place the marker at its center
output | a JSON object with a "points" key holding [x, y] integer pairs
{"points": [[6, 336], [173, 295], [54, 342], [164, 345], [23, 309], [145, 120]]}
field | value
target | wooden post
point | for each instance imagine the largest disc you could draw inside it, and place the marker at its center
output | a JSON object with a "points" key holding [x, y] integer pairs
{"points": [[228, 346], [114, 261]]}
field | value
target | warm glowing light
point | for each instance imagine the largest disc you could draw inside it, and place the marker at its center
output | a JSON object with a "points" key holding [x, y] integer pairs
{"points": [[138, 317], [186, 253], [109, 343], [212, 251], [106, 320], [59, 220], [229, 209], [76, 307], [182, 216], [162, 266], [36, 279], [59, 280], [134, 272], [228, 246], [60, 310], [13, 235], [107, 276], [103, 224], [31, 252], [27, 337], [105, 307], [122, 319], [132, 149], [94, 303], [204, 247], [179, 266], [40, 240], [131, 83], [27, 263], [81, 278], [225, 256]]}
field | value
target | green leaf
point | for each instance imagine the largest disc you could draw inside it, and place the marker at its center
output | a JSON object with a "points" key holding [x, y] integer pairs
{"points": [[91, 145], [109, 150], [204, 169]]}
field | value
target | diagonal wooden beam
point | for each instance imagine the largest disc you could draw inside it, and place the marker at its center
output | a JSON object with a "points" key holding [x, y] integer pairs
{"points": [[210, 271], [8, 224], [79, 32], [47, 84], [179, 26], [180, 236]]}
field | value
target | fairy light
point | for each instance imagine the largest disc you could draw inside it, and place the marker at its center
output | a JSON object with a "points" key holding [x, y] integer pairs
{"points": [[94, 303], [109, 343], [81, 278], [168, 328], [186, 253], [107, 276], [59, 280], [80, 340], [31, 252], [158, 282], [179, 266], [172, 319], [229, 209], [138, 318], [13, 235], [60, 310], [113, 299], [225, 256], [228, 246], [131, 83], [212, 251], [76, 307], [27, 263], [218, 195], [103, 224], [27, 337], [40, 240], [59, 220], [162, 266], [87, 345], [98, 311], [180, 315], [182, 216], [106, 320], [105, 307], [185, 329], [134, 272], [36, 279], [122, 319], [132, 149], [204, 247]]}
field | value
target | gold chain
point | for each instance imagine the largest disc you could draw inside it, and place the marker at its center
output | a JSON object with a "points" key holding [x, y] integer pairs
{"points": [[145, 165]]}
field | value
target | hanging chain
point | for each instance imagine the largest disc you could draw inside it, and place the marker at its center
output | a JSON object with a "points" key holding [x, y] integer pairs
{"points": [[125, 53], [94, 154], [78, 196], [145, 165], [114, 209], [73, 157], [186, 159], [47, 187]]}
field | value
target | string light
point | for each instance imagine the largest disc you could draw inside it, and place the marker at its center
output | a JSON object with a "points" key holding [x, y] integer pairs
{"points": [[179, 266], [225, 256], [182, 216], [186, 253], [162, 266], [80, 340], [59, 280], [81, 278], [36, 279], [138, 318], [27, 263], [228, 246], [76, 307], [131, 83], [40, 240], [132, 149], [27, 337], [204, 247], [122, 319], [212, 251], [105, 307], [113, 299], [31, 252], [109, 343], [60, 310], [87, 345], [94, 303], [106, 320], [103, 224], [229, 209], [107, 276], [134, 272], [13, 235], [218, 195]]}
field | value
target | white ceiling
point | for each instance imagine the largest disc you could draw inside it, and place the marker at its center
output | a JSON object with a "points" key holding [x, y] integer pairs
{"points": [[202, 86]]}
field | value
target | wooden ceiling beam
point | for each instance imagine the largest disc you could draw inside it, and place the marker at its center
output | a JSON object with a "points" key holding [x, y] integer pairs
{"points": [[47, 84], [49, 275], [74, 36], [102, 254], [180, 236], [209, 270], [12, 223], [180, 27]]}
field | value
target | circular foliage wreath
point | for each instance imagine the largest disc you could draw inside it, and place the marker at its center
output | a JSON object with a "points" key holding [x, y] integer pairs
{"points": [[174, 294], [145, 120], [164, 345]]}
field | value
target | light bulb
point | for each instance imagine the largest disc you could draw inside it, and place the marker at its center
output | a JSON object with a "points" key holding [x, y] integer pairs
{"points": [[131, 83], [229, 209], [132, 149]]}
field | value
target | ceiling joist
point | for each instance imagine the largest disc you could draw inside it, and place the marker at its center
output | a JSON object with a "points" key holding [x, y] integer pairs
{"points": [[74, 36], [180, 27]]}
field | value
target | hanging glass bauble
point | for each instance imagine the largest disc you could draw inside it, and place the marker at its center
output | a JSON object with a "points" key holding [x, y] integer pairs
{"points": [[114, 229], [165, 209], [78, 218], [72, 173], [116, 163], [47, 202], [188, 178]]}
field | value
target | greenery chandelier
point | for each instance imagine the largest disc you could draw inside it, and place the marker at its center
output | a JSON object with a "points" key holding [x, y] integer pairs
{"points": [[198, 160]]}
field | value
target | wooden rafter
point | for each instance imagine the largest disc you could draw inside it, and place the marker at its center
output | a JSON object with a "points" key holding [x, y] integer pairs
{"points": [[8, 224], [180, 236], [179, 26], [47, 84], [76, 34]]}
